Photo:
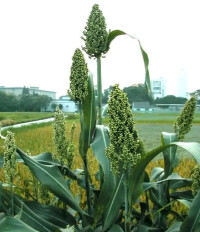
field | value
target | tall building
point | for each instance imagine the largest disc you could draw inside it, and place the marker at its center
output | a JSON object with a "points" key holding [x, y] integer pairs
{"points": [[158, 88], [32, 90], [182, 90]]}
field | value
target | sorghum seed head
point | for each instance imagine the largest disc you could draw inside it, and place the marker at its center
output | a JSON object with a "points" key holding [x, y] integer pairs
{"points": [[95, 34]]}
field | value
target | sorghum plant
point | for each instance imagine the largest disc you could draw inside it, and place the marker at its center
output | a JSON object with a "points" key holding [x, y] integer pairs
{"points": [[117, 204]]}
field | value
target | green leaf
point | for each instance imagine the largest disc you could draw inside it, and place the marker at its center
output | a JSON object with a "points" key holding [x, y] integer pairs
{"points": [[185, 202], [50, 176], [143, 228], [100, 143], [9, 224], [175, 227], [114, 34], [173, 177], [157, 173], [25, 213], [88, 118], [135, 183], [115, 228], [192, 221], [116, 201], [170, 153], [45, 157], [52, 214]]}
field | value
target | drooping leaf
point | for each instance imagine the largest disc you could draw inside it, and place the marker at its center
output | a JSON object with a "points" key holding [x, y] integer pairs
{"points": [[116, 201], [88, 118], [143, 228], [185, 195], [25, 213], [173, 177], [100, 143], [115, 228], [52, 214], [114, 34], [13, 224], [135, 184], [170, 153], [175, 227], [157, 173], [50, 176], [192, 221]]}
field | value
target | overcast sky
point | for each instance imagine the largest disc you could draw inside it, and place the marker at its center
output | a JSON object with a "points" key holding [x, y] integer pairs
{"points": [[38, 39]]}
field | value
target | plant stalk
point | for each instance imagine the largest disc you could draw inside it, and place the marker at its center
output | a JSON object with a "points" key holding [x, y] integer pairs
{"points": [[84, 158], [12, 197], [99, 90], [87, 185], [127, 206]]}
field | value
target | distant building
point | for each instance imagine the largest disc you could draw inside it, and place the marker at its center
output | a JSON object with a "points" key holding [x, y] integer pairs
{"points": [[142, 106], [67, 105], [32, 90], [158, 87]]}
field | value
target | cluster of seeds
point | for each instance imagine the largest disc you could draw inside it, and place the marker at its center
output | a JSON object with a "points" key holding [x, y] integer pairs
{"points": [[95, 34], [125, 147]]}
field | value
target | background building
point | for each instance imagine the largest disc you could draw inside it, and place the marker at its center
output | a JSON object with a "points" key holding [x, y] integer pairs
{"points": [[158, 87], [32, 90], [64, 103]]}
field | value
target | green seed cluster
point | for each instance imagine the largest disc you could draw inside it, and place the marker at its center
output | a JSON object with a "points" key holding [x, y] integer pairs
{"points": [[64, 146], [10, 161], [195, 180], [183, 123], [125, 145], [95, 34], [78, 77]]}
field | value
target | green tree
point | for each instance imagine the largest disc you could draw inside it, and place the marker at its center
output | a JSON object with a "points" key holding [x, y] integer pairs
{"points": [[137, 94], [53, 106], [171, 99], [106, 94], [8, 102]]}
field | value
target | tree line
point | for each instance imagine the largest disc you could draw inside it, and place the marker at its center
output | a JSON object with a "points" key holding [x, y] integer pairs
{"points": [[25, 102], [139, 94]]}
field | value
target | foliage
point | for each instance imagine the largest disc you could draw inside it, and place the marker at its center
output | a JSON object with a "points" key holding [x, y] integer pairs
{"points": [[121, 195], [171, 99], [137, 94], [10, 118], [26, 102], [105, 95]]}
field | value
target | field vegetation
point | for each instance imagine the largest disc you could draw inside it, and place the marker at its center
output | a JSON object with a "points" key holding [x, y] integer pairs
{"points": [[11, 118], [116, 182]]}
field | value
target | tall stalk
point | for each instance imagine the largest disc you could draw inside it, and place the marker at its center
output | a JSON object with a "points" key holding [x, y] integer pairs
{"points": [[127, 206], [84, 157], [99, 90]]}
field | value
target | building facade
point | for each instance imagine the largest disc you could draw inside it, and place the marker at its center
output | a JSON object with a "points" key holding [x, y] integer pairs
{"points": [[158, 87], [32, 90], [65, 104]]}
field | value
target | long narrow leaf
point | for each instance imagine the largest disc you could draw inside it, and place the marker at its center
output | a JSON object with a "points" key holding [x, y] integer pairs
{"points": [[50, 176], [115, 228], [192, 221], [116, 201], [173, 177], [170, 153], [135, 186], [100, 143], [114, 34], [88, 118], [9, 224]]}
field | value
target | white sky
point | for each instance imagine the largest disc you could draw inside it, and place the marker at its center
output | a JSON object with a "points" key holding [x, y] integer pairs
{"points": [[38, 39]]}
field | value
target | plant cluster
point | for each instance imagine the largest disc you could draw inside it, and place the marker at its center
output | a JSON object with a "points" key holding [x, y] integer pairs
{"points": [[127, 198]]}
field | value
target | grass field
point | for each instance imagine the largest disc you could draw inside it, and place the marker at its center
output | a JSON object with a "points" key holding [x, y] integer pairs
{"points": [[10, 118], [39, 138]]}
